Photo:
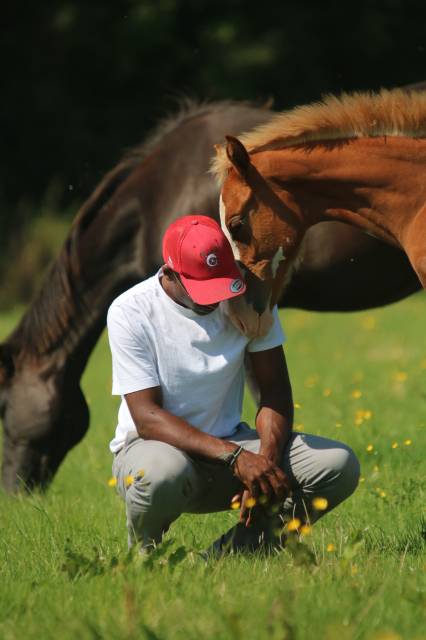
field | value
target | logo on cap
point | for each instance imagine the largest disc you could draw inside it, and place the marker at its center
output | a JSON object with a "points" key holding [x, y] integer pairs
{"points": [[236, 285], [212, 260]]}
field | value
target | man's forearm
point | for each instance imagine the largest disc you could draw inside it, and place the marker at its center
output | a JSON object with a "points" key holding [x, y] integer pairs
{"points": [[155, 423], [274, 430]]}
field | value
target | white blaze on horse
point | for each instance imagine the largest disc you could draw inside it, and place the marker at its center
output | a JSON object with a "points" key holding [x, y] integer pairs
{"points": [[359, 159]]}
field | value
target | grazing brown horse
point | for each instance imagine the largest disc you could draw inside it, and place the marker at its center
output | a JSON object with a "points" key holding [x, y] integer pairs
{"points": [[359, 159], [114, 242]]}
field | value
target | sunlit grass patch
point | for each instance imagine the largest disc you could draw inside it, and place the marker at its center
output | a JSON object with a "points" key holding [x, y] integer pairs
{"points": [[357, 574]]}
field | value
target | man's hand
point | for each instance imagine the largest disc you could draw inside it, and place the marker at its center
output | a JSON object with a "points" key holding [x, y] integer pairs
{"points": [[261, 477]]}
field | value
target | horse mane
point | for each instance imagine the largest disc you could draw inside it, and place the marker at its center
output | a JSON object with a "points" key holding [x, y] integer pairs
{"points": [[53, 310], [393, 112], [187, 109]]}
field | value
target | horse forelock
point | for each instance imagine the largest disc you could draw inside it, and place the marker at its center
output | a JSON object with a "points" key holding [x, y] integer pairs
{"points": [[388, 113]]}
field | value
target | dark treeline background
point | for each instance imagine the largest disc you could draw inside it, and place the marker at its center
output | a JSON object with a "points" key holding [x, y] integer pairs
{"points": [[82, 80]]}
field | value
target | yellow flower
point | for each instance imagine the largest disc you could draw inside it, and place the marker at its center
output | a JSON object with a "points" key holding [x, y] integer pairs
{"points": [[327, 393], [235, 505], [293, 525], [305, 529], [407, 442], [361, 415], [338, 425], [356, 393], [369, 448], [400, 376], [297, 405], [112, 482], [368, 323], [250, 502], [330, 547], [395, 445], [382, 494], [129, 480], [299, 427], [320, 504], [311, 381], [386, 635]]}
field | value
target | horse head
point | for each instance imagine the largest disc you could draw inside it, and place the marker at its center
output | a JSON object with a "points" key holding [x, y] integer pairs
{"points": [[44, 414], [261, 223]]}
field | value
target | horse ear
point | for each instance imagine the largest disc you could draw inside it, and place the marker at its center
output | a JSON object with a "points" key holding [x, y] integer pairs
{"points": [[7, 366], [237, 155]]}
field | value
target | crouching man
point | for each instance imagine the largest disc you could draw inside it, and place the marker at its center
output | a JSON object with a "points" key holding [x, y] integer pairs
{"points": [[178, 364]]}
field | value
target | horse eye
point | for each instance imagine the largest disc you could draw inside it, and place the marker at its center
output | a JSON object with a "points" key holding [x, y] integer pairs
{"points": [[238, 229]]}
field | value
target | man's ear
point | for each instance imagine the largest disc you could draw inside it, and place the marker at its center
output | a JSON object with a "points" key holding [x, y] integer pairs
{"points": [[237, 155], [7, 366]]}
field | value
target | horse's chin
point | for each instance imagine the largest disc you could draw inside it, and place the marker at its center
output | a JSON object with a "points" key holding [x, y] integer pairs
{"points": [[248, 321]]}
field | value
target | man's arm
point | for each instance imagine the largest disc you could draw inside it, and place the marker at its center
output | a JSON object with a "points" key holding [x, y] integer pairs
{"points": [[256, 472], [274, 420], [154, 423]]}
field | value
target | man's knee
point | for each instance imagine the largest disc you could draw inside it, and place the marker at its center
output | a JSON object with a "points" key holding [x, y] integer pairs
{"points": [[344, 467]]}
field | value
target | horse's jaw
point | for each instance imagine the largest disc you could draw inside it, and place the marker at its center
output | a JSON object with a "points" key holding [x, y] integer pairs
{"points": [[247, 320]]}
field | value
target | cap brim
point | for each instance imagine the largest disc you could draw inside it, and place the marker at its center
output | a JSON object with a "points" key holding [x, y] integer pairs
{"points": [[206, 292]]}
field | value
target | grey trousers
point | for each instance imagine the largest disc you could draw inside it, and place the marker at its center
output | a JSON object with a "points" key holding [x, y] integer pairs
{"points": [[167, 482]]}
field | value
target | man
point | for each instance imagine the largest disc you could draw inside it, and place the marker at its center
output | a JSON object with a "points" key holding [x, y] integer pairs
{"points": [[180, 446]]}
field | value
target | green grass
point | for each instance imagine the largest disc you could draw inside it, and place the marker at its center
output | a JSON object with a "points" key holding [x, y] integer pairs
{"points": [[360, 378]]}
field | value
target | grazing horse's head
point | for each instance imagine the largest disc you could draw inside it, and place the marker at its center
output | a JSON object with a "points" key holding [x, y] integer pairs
{"points": [[261, 223], [44, 414]]}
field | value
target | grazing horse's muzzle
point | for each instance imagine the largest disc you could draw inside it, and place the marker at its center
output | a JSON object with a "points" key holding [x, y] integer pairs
{"points": [[26, 466]]}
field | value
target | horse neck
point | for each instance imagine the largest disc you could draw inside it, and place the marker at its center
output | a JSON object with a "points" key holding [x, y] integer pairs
{"points": [[366, 182], [100, 259]]}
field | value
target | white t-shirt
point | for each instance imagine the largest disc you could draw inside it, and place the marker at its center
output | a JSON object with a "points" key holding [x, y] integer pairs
{"points": [[198, 361]]}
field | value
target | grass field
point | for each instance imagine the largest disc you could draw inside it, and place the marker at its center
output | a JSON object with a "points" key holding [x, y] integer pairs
{"points": [[65, 572]]}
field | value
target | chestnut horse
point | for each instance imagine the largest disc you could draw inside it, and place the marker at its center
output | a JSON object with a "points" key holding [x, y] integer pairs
{"points": [[359, 159], [114, 242]]}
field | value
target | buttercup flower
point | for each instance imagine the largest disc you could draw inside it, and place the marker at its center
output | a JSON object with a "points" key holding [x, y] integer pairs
{"points": [[129, 480], [320, 504], [112, 482], [293, 525], [330, 547], [400, 376]]}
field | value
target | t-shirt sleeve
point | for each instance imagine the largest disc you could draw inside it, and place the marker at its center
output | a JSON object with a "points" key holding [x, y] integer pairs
{"points": [[274, 338], [133, 361]]}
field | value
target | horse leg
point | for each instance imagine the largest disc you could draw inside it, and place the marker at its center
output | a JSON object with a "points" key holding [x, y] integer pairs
{"points": [[415, 244]]}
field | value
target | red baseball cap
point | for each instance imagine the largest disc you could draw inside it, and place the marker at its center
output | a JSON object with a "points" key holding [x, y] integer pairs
{"points": [[198, 250]]}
